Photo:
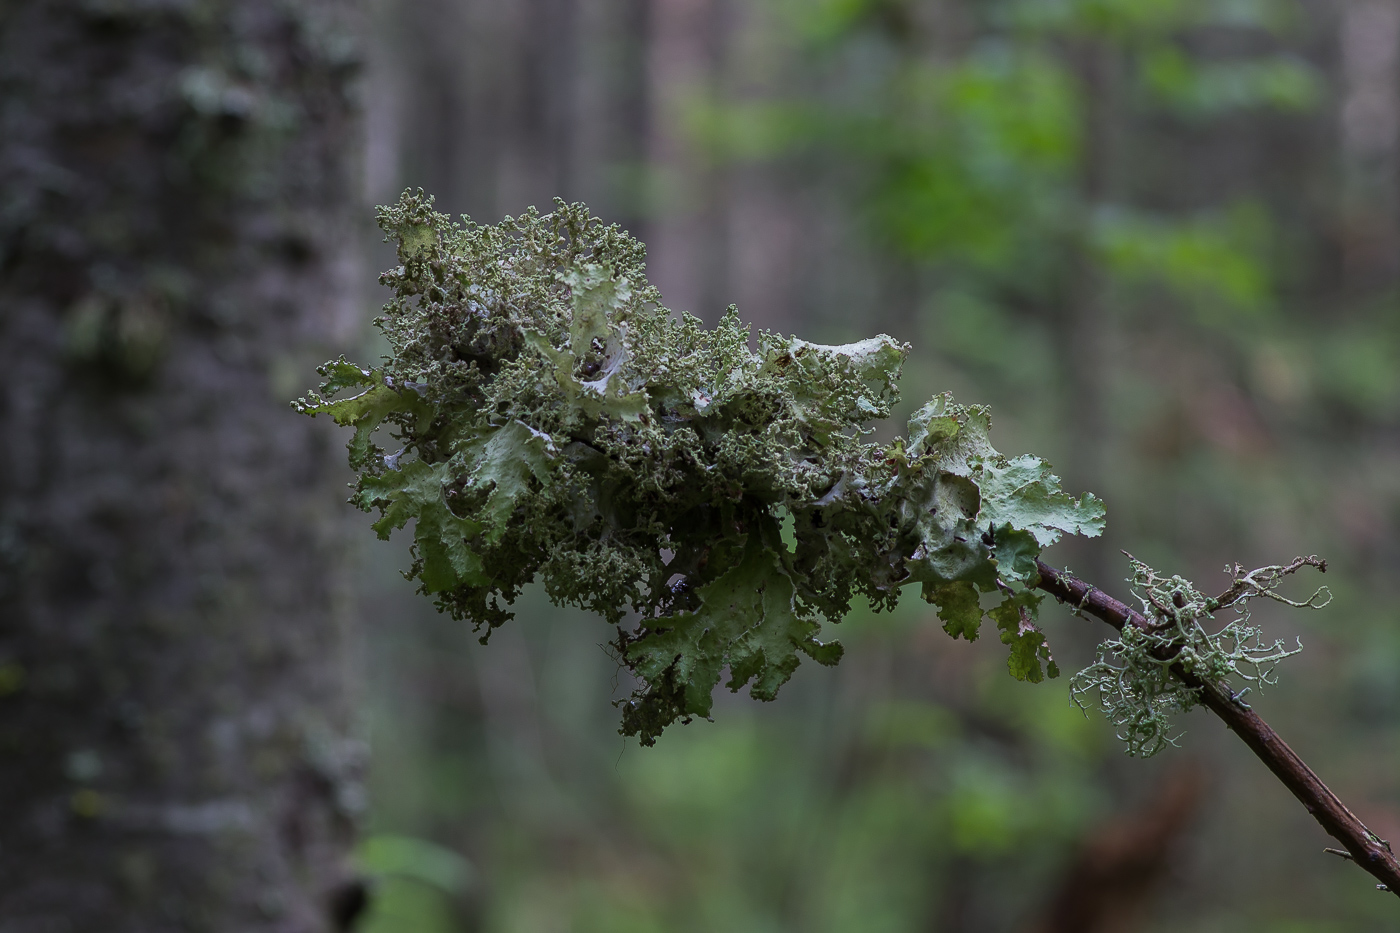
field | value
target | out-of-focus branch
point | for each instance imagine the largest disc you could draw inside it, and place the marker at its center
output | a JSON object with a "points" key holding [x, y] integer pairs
{"points": [[1108, 885], [1366, 848]]}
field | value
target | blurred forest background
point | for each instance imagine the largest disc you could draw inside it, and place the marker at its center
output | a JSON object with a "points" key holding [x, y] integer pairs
{"points": [[1160, 237]]}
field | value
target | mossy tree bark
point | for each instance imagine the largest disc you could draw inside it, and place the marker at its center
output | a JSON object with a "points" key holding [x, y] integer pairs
{"points": [[173, 243]]}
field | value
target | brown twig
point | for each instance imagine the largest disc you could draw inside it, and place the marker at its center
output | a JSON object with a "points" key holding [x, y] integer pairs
{"points": [[1365, 848], [1248, 584]]}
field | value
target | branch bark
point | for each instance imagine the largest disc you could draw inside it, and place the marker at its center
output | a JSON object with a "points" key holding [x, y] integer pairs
{"points": [[1365, 848]]}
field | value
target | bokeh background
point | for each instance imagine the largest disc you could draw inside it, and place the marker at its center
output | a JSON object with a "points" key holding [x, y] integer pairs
{"points": [[1160, 237]]}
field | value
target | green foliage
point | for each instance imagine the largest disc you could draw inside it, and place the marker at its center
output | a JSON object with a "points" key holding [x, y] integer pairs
{"points": [[1131, 680], [1207, 90], [967, 164], [414, 883], [558, 423], [386, 855], [1212, 262], [971, 156]]}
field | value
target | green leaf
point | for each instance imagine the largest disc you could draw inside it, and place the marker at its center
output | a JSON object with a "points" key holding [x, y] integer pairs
{"points": [[504, 461], [1015, 552], [950, 546], [1024, 494], [401, 494], [364, 412], [440, 536], [1015, 617], [408, 857], [958, 607], [341, 374], [448, 562], [747, 619]]}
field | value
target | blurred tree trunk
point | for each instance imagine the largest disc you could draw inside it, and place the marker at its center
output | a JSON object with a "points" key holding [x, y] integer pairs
{"points": [[1082, 332], [684, 235], [173, 247], [1370, 138]]}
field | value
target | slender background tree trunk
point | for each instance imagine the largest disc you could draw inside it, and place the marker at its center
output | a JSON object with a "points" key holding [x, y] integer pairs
{"points": [[174, 253]]}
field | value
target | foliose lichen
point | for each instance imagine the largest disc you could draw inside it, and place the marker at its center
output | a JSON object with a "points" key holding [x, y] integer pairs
{"points": [[555, 422]]}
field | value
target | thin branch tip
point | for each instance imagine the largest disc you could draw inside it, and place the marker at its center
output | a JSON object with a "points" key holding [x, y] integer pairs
{"points": [[1294, 773]]}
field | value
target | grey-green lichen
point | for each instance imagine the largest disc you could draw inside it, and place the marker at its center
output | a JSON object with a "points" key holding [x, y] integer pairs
{"points": [[1131, 679], [555, 422]]}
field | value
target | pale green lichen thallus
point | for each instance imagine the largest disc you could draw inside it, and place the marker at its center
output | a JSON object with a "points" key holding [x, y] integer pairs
{"points": [[1131, 679], [553, 421]]}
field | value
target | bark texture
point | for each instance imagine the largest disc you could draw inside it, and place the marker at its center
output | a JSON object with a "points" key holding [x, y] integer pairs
{"points": [[174, 183]]}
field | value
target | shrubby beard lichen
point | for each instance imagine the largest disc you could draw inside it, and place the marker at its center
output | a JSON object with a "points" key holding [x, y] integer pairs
{"points": [[556, 422], [1131, 680]]}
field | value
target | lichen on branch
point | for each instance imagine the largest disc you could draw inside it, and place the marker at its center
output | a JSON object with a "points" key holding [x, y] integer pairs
{"points": [[1131, 680], [555, 422]]}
